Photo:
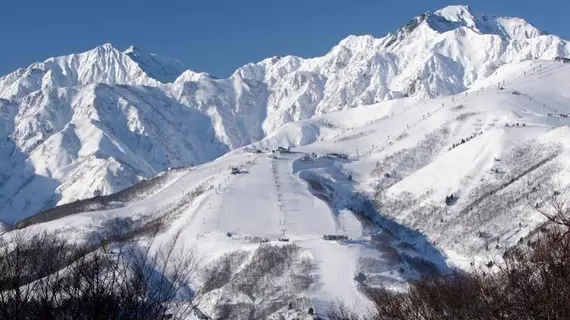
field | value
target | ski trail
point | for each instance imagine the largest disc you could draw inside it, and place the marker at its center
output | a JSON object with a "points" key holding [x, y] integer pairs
{"points": [[304, 214], [248, 205]]}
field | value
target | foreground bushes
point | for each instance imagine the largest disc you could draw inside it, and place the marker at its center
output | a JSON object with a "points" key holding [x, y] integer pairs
{"points": [[44, 277]]}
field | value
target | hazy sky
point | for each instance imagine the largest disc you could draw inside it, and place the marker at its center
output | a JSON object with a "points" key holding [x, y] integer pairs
{"points": [[219, 36]]}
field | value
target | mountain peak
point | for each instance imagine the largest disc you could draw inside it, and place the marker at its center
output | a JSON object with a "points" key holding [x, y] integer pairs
{"points": [[458, 14], [192, 76], [442, 20], [106, 47], [104, 50], [455, 12]]}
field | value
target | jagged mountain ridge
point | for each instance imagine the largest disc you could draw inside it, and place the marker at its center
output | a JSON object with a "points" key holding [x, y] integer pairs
{"points": [[62, 108]]}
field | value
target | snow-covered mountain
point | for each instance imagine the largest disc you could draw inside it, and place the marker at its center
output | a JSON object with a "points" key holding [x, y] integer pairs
{"points": [[434, 54], [95, 122], [101, 120], [381, 175], [382, 132]]}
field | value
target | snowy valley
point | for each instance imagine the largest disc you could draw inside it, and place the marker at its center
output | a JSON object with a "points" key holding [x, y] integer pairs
{"points": [[384, 160]]}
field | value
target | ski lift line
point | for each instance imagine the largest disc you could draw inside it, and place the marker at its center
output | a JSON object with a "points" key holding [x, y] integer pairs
{"points": [[556, 113], [387, 141], [460, 98], [351, 130], [280, 201]]}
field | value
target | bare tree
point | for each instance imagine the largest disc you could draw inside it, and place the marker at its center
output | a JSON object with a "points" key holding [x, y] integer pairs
{"points": [[340, 311], [45, 277], [555, 205]]}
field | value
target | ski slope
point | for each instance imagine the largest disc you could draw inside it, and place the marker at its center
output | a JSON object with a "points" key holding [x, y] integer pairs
{"points": [[247, 205]]}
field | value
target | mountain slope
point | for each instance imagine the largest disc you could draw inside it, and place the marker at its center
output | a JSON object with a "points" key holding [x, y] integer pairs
{"points": [[95, 138]]}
